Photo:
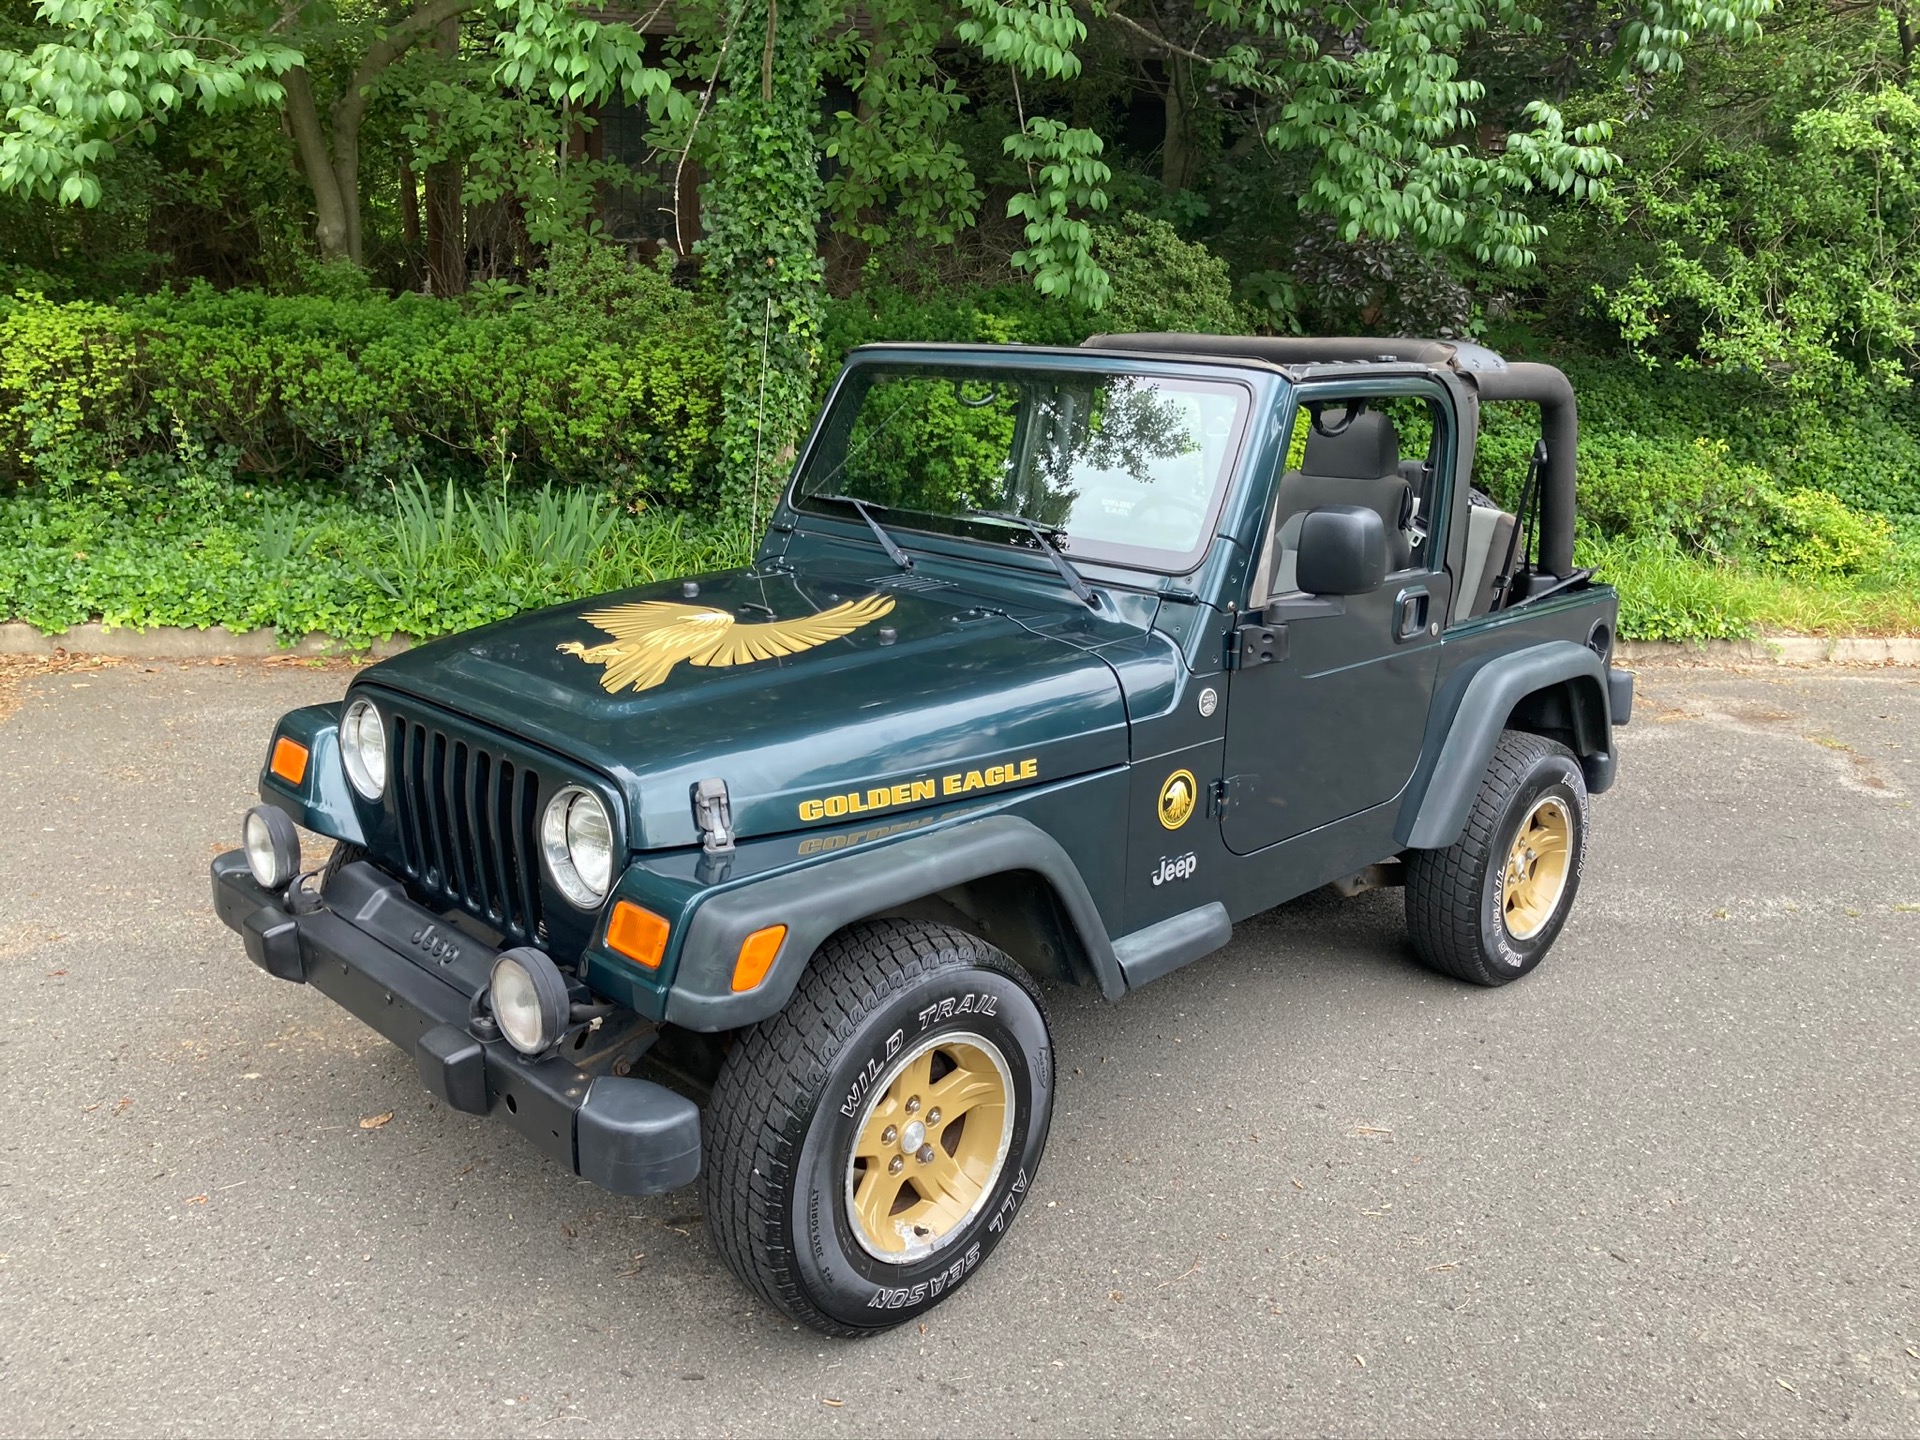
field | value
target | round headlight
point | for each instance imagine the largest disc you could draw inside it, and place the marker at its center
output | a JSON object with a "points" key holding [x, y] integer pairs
{"points": [[577, 839], [272, 846], [363, 748], [529, 999]]}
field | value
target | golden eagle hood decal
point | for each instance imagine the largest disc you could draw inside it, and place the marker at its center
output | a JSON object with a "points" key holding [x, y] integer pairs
{"points": [[651, 637]]}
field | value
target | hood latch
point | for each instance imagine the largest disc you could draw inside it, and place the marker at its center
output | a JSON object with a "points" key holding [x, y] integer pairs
{"points": [[713, 815]]}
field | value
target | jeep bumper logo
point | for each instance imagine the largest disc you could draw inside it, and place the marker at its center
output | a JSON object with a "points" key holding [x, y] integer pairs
{"points": [[429, 939]]}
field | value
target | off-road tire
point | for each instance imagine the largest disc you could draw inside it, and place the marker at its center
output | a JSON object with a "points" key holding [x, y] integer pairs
{"points": [[1456, 897], [791, 1097], [344, 854]]}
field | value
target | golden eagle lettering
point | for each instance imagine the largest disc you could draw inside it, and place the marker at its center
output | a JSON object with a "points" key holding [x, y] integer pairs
{"points": [[650, 638]]}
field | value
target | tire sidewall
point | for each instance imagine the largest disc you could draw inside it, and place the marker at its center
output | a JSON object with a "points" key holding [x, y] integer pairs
{"points": [[838, 1275], [1551, 775]]}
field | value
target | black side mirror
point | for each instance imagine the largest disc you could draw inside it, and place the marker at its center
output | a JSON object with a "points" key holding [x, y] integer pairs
{"points": [[1343, 551]]}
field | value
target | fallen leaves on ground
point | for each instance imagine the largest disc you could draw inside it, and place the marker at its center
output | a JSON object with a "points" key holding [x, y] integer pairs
{"points": [[15, 668], [374, 1122]]}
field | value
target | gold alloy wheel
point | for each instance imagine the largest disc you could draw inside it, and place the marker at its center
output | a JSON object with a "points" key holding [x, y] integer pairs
{"points": [[1537, 867], [930, 1147]]}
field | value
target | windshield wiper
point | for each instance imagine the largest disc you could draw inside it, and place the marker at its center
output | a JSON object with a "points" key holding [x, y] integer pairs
{"points": [[887, 543], [1044, 537]]}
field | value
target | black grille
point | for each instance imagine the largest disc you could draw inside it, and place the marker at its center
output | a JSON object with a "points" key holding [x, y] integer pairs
{"points": [[466, 818]]}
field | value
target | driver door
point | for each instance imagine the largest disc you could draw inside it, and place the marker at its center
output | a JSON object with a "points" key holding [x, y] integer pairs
{"points": [[1333, 725]]}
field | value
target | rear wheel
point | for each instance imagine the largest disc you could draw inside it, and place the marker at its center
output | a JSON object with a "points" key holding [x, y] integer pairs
{"points": [[1489, 907], [868, 1146]]}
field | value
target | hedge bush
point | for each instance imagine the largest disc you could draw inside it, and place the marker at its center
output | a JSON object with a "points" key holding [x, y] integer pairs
{"points": [[361, 386]]}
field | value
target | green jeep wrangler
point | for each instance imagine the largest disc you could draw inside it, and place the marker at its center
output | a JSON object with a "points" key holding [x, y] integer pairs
{"points": [[1051, 666]]}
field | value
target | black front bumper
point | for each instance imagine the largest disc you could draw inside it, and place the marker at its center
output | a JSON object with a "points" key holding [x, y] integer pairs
{"points": [[630, 1136]]}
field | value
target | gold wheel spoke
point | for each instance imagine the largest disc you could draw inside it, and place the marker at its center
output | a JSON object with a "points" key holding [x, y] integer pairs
{"points": [[916, 1079], [949, 1190], [959, 1090], [873, 1203]]}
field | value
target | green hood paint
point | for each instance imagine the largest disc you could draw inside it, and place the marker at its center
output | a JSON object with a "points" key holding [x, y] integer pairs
{"points": [[959, 684]]}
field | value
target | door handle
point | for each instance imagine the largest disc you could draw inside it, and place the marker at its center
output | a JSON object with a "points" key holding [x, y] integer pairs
{"points": [[1410, 614]]}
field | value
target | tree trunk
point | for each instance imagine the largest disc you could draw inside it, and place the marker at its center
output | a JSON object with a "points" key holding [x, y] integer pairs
{"points": [[1176, 145], [409, 208], [446, 216], [333, 169], [330, 230]]}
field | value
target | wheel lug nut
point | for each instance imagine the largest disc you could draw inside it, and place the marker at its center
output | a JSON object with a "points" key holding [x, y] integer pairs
{"points": [[896, 1165], [925, 1157], [913, 1104], [889, 1135], [933, 1116]]}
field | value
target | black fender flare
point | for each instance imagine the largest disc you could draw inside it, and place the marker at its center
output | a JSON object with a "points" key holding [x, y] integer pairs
{"points": [[1461, 736], [816, 900]]}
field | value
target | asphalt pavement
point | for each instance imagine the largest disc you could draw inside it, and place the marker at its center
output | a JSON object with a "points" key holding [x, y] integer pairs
{"points": [[1667, 1184]]}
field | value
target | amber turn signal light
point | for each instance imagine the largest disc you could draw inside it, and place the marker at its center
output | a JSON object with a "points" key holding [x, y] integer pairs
{"points": [[756, 957], [638, 934], [289, 760]]}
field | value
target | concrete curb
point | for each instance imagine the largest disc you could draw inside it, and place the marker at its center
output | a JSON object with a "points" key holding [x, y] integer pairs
{"points": [[217, 642], [1781, 650], [167, 642]]}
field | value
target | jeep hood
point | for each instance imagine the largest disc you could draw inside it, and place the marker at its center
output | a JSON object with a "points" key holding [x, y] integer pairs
{"points": [[844, 699]]}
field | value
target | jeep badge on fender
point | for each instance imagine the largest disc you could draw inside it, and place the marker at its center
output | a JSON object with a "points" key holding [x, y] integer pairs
{"points": [[756, 893]]}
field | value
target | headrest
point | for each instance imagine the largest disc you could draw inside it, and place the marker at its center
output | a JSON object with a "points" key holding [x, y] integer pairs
{"points": [[1368, 449]]}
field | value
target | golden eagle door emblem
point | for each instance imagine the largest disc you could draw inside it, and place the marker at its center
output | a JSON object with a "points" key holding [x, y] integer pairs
{"points": [[650, 638]]}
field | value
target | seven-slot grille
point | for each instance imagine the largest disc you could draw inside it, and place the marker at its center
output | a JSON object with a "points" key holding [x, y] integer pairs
{"points": [[466, 818]]}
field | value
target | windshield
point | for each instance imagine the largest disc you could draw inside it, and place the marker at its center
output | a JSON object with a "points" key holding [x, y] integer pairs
{"points": [[1117, 467]]}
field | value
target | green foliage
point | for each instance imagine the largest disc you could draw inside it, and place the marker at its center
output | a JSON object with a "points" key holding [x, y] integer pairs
{"points": [[608, 376], [108, 73], [1067, 175], [1765, 216], [1815, 533], [65, 375], [182, 545], [1161, 282], [1006, 314], [1792, 261], [1642, 467], [898, 170], [1668, 593], [763, 207]]}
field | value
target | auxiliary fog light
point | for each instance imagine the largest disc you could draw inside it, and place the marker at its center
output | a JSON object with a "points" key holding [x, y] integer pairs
{"points": [[530, 1001], [272, 846]]}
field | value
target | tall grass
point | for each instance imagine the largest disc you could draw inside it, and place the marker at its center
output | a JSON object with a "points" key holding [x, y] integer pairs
{"points": [[1667, 593]]}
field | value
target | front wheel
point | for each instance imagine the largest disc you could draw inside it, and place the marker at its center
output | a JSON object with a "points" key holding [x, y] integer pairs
{"points": [[1488, 907], [868, 1147]]}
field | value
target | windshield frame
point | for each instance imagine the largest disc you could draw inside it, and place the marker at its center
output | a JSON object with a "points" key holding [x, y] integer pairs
{"points": [[998, 535]]}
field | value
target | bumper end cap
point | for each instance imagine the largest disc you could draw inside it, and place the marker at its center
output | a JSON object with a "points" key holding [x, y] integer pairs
{"points": [[273, 943], [453, 1068], [636, 1137]]}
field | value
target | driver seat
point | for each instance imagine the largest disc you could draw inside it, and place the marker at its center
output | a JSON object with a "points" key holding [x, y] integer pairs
{"points": [[1358, 466]]}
